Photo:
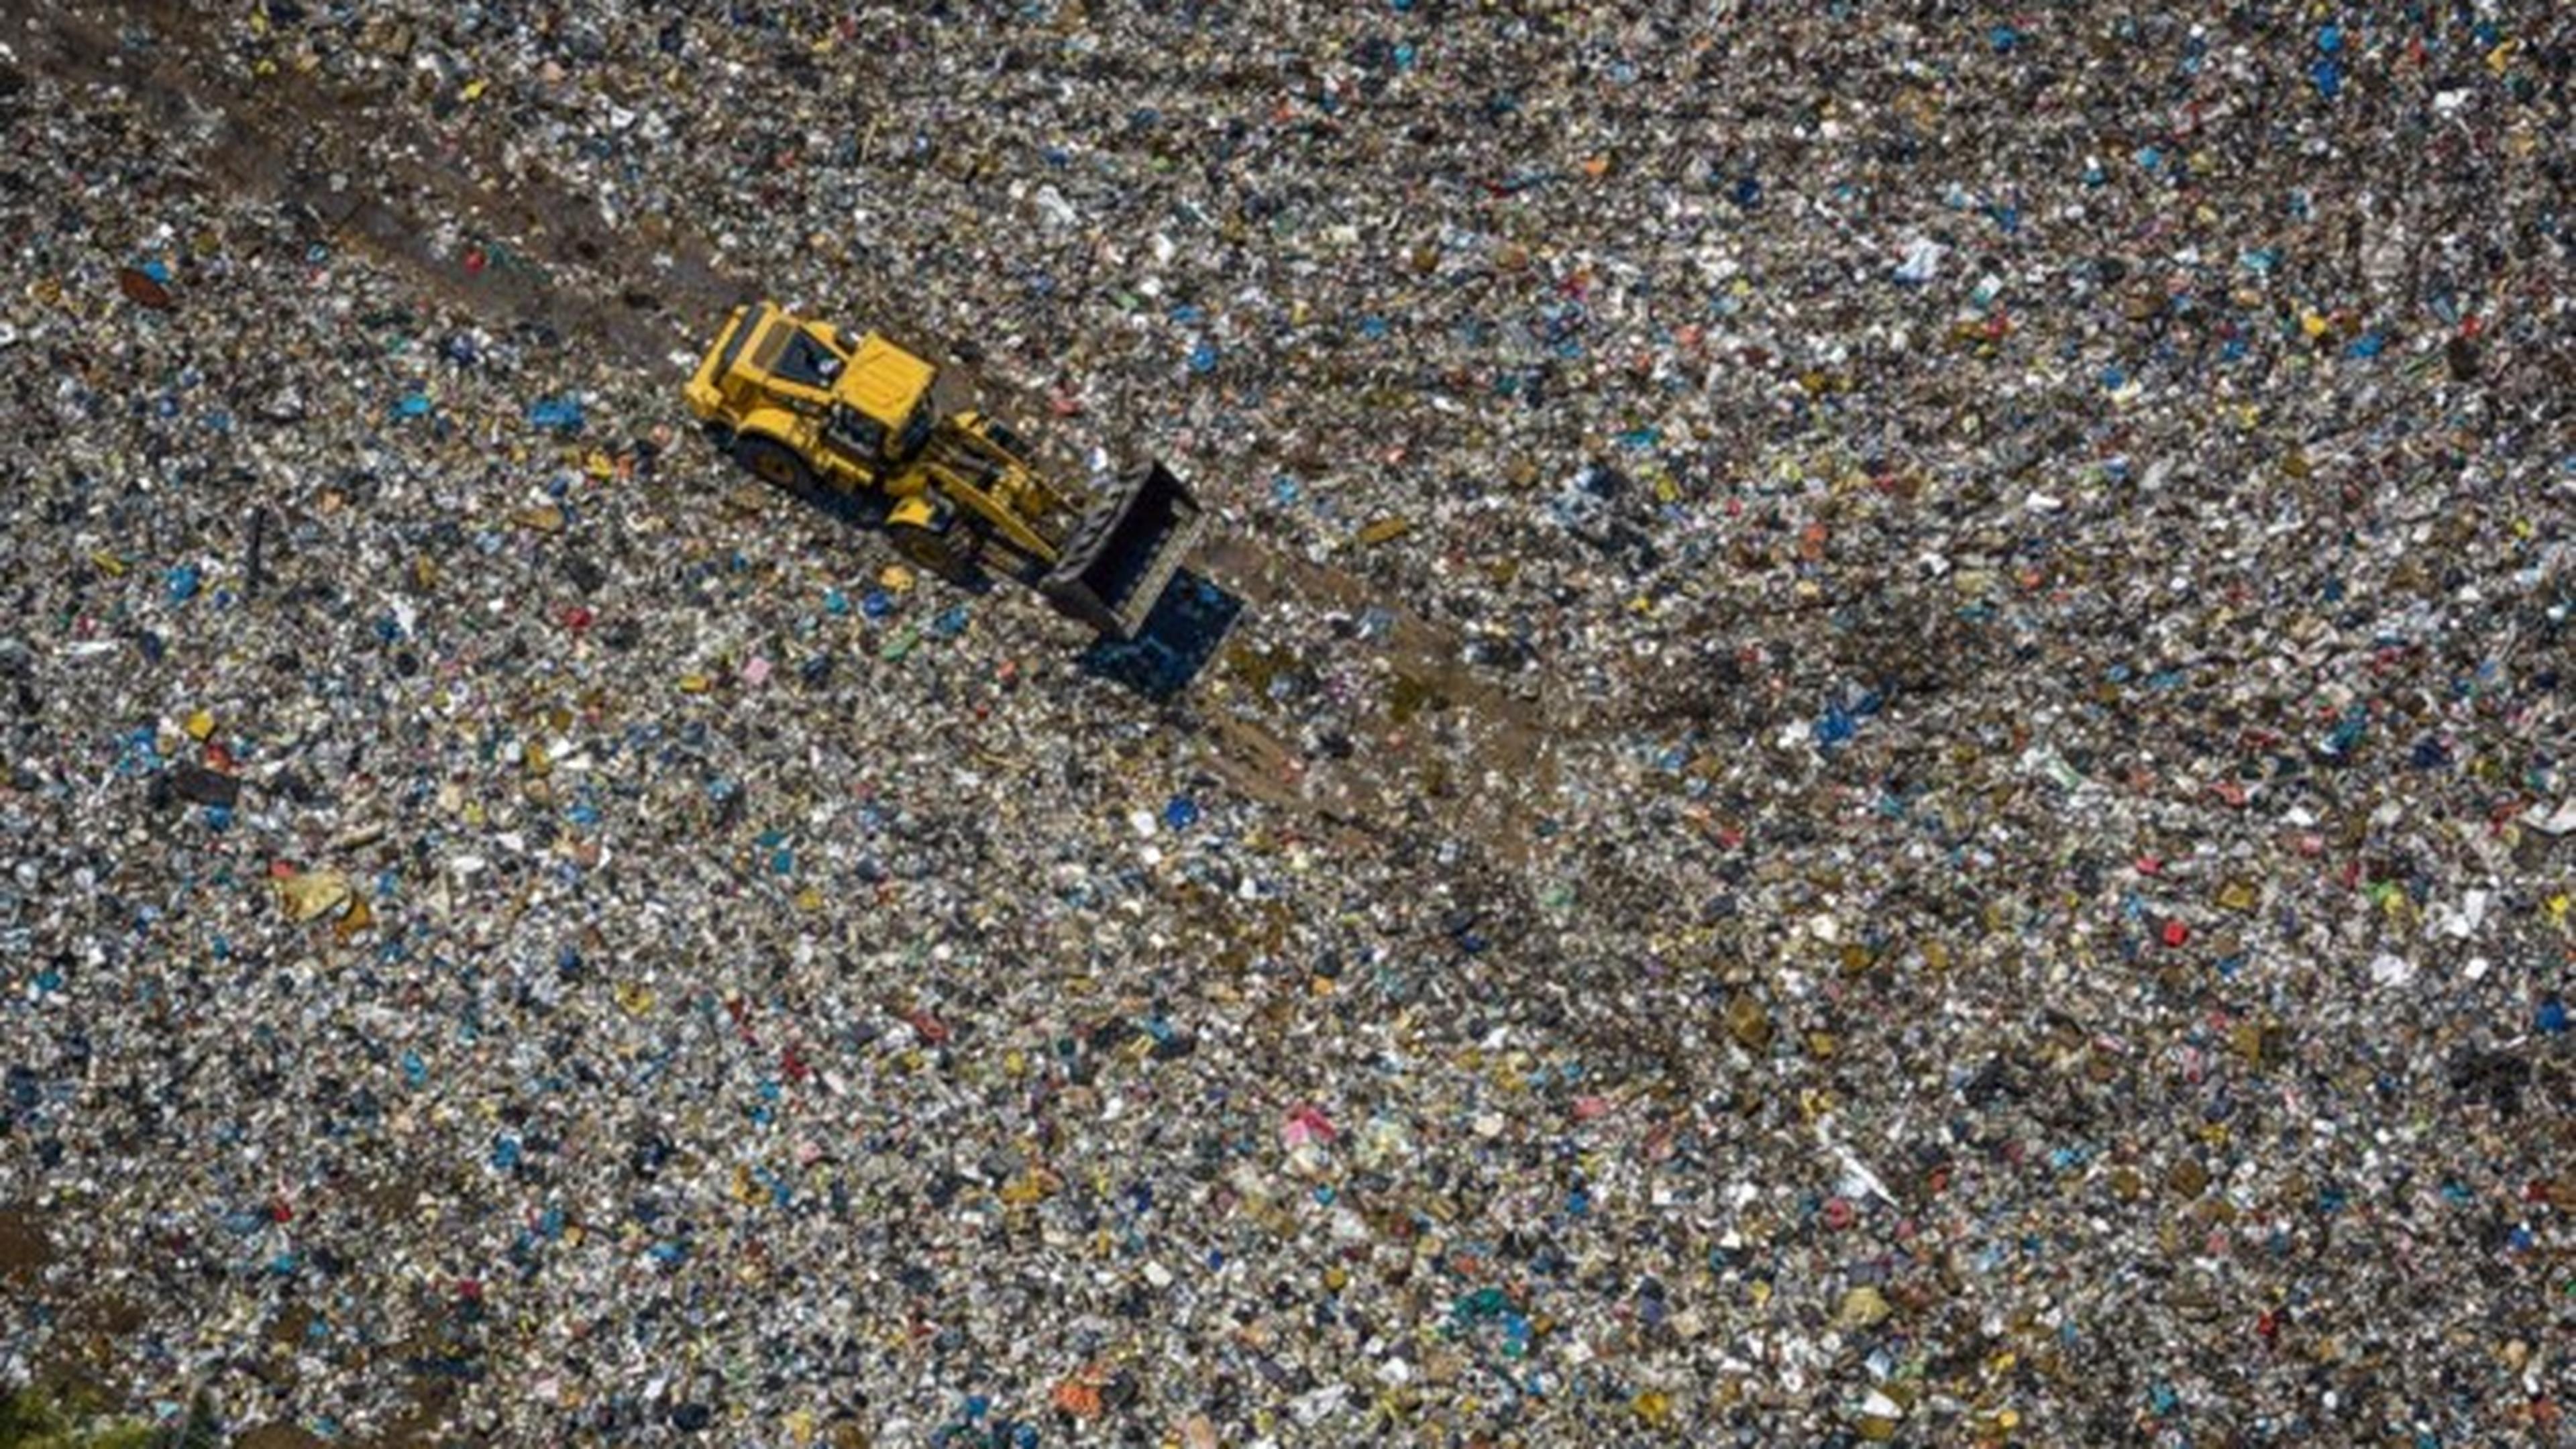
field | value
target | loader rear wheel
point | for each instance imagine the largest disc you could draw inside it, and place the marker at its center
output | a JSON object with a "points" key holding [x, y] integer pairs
{"points": [[944, 554], [774, 463]]}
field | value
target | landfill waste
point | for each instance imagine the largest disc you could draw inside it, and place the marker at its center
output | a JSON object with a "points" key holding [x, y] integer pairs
{"points": [[1872, 743]]}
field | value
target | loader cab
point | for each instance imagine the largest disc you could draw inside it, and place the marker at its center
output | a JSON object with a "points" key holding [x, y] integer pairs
{"points": [[803, 358], [872, 400], [881, 402]]}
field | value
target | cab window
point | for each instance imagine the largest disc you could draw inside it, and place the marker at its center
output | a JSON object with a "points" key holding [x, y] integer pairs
{"points": [[805, 360]]}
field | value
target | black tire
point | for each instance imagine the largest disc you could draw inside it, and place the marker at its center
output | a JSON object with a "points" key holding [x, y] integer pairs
{"points": [[948, 554], [719, 437], [773, 463]]}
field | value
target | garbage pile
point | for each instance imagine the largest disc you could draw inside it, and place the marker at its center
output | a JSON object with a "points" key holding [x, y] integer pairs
{"points": [[1873, 745]]}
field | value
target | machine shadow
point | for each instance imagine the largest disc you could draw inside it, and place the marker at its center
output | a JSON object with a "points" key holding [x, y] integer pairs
{"points": [[1185, 631]]}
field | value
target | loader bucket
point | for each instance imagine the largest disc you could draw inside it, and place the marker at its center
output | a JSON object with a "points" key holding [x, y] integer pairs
{"points": [[1122, 554]]}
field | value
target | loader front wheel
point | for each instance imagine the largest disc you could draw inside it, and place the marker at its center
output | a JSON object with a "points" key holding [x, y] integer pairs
{"points": [[773, 463], [943, 554]]}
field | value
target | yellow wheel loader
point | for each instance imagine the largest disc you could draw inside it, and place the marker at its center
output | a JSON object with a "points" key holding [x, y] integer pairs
{"points": [[804, 409]]}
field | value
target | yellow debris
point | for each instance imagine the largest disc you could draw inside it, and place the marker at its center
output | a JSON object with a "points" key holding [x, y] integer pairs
{"points": [[313, 894], [357, 918], [1863, 1307], [200, 725]]}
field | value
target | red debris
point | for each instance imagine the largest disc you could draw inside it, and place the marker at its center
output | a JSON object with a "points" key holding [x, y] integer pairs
{"points": [[143, 289]]}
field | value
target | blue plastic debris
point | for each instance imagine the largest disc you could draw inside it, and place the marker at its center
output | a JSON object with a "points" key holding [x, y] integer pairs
{"points": [[561, 413], [1181, 813], [181, 583]]}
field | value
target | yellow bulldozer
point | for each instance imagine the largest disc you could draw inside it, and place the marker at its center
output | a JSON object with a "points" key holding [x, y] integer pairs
{"points": [[958, 496]]}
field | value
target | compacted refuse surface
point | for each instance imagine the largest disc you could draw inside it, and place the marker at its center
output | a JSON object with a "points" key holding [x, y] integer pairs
{"points": [[1871, 741]]}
